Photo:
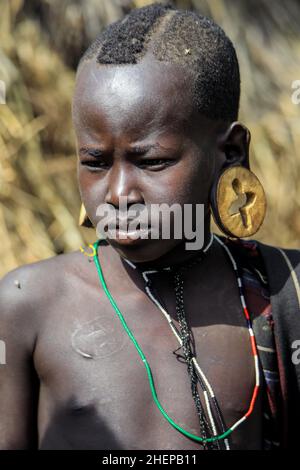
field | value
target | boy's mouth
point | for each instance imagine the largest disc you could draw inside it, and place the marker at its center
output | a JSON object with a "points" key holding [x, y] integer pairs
{"points": [[129, 237], [127, 233]]}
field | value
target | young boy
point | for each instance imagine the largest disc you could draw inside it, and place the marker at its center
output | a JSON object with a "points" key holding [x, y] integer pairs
{"points": [[155, 113]]}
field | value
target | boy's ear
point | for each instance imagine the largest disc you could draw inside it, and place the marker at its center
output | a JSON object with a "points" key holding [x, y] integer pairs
{"points": [[234, 145]]}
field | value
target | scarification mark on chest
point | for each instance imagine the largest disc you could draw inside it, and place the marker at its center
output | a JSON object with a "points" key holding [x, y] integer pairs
{"points": [[98, 338]]}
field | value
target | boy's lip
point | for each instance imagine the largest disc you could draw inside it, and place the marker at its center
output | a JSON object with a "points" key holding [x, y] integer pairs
{"points": [[116, 223], [123, 225], [129, 237]]}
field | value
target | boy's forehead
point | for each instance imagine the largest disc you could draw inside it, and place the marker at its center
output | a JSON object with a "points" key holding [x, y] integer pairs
{"points": [[150, 94]]}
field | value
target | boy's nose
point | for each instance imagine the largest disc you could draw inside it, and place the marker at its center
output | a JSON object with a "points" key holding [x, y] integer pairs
{"points": [[122, 182]]}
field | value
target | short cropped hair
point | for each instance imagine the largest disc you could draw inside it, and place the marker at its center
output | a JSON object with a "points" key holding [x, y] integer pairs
{"points": [[182, 37]]}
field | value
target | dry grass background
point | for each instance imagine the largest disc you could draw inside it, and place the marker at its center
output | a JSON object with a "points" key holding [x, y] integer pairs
{"points": [[40, 44]]}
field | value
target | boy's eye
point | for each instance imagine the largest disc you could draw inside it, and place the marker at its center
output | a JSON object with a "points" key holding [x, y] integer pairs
{"points": [[155, 162], [95, 164], [97, 161], [101, 161]]}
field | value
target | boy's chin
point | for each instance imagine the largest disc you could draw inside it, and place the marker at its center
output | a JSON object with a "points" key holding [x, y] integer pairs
{"points": [[144, 251]]}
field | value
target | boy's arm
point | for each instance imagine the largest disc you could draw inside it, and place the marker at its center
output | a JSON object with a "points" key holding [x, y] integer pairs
{"points": [[18, 381]]}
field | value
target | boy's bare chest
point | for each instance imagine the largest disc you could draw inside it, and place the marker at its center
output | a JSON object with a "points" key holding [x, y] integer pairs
{"points": [[95, 391]]}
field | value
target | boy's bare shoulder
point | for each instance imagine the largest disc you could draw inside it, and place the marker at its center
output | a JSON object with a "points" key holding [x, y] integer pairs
{"points": [[26, 289]]}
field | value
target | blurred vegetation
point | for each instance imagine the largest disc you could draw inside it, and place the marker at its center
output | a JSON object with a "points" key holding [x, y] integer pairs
{"points": [[41, 42]]}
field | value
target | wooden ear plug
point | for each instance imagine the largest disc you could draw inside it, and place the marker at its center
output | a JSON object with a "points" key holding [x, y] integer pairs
{"points": [[240, 202], [84, 221]]}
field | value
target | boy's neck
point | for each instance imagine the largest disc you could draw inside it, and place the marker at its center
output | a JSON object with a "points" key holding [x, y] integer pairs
{"points": [[114, 263]]}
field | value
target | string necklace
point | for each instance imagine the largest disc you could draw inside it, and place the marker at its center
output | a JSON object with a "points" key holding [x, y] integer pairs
{"points": [[194, 371], [209, 395], [207, 427]]}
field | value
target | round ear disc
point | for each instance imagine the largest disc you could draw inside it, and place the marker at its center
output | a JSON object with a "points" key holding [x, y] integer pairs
{"points": [[240, 202]]}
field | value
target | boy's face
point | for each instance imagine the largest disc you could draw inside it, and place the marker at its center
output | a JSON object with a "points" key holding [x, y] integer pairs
{"points": [[119, 108]]}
